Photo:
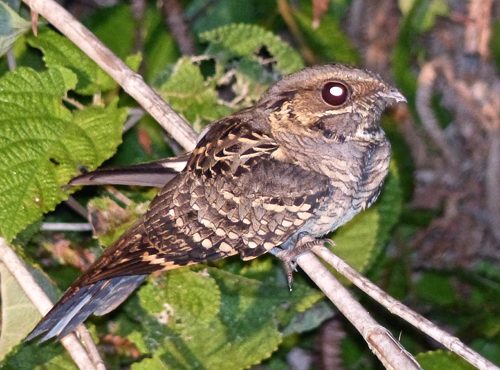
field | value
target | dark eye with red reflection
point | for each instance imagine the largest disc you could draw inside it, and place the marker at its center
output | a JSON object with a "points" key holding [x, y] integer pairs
{"points": [[334, 93]]}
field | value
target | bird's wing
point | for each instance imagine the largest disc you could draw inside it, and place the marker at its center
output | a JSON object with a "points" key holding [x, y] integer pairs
{"points": [[156, 173], [232, 197]]}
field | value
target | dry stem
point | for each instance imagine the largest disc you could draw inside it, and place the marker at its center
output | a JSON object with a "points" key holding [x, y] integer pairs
{"points": [[397, 308]]}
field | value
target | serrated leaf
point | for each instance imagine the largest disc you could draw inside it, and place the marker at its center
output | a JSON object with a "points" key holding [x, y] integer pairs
{"points": [[187, 92], [11, 27], [239, 40], [225, 12], [34, 356], [60, 51], [191, 297], [43, 143], [230, 323], [439, 360]]}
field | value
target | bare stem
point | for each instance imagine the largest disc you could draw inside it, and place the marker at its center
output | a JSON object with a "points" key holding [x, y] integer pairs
{"points": [[66, 226], [31, 288], [397, 308], [379, 339]]}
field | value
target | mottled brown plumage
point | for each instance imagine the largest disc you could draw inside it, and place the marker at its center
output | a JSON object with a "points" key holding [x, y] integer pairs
{"points": [[303, 161]]}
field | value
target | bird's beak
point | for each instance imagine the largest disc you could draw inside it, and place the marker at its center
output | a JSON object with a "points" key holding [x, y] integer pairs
{"points": [[392, 94]]}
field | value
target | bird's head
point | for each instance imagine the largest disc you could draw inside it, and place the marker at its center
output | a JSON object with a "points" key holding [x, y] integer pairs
{"points": [[333, 102]]}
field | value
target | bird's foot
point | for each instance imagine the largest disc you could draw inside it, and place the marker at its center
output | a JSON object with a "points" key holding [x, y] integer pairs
{"points": [[303, 245]]}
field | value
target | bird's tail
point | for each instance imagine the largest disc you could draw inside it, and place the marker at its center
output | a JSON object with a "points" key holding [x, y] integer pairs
{"points": [[97, 291], [79, 303]]}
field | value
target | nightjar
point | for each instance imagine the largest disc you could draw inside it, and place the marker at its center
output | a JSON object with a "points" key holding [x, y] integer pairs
{"points": [[303, 160]]}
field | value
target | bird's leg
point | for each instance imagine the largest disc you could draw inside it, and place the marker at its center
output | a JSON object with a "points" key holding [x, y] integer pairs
{"points": [[288, 256]]}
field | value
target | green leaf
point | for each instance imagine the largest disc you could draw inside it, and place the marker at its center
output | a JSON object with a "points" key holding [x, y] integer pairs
{"points": [[134, 61], [104, 24], [426, 17], [328, 41], [439, 360], [160, 48], [225, 12], [437, 289], [45, 143], [238, 40], [188, 93], [11, 27], [212, 319], [34, 356], [60, 51], [19, 315], [191, 297], [310, 319]]}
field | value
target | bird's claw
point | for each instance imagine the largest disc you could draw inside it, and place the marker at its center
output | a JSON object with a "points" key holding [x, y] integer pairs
{"points": [[303, 245]]}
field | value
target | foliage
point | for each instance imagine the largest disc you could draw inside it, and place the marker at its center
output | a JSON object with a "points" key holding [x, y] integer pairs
{"points": [[60, 114]]}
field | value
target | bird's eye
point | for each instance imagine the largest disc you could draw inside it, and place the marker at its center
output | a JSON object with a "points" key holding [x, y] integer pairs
{"points": [[334, 93]]}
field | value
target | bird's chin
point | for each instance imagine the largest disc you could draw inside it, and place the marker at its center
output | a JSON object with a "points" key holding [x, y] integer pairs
{"points": [[371, 132]]}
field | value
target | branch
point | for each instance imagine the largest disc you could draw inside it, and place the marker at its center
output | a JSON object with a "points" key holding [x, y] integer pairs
{"points": [[130, 81], [394, 306], [176, 23], [379, 339], [66, 226], [43, 304]]}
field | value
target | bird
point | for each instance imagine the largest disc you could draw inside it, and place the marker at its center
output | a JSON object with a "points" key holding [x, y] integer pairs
{"points": [[302, 161]]}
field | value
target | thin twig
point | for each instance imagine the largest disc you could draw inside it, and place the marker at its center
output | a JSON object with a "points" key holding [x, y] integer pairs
{"points": [[134, 116], [90, 346], [379, 339], [66, 226], [29, 285], [287, 14], [477, 28], [130, 81], [175, 21], [424, 93], [74, 103], [397, 308], [11, 59], [77, 207]]}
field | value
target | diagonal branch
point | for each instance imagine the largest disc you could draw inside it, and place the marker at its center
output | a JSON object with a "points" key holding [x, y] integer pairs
{"points": [[17, 268], [399, 309], [130, 81], [379, 339]]}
